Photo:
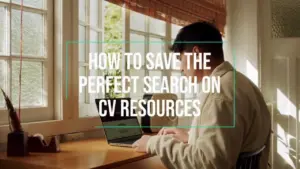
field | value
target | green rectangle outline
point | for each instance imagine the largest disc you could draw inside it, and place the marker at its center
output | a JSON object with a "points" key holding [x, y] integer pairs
{"points": [[121, 42]]}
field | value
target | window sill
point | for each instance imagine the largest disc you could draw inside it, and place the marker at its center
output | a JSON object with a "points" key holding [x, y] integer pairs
{"points": [[54, 127]]}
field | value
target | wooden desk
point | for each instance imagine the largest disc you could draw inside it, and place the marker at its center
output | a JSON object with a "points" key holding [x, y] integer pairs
{"points": [[95, 153]]}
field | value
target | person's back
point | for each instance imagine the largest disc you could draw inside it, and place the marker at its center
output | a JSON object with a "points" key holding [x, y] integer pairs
{"points": [[240, 105], [232, 121], [258, 118], [250, 107], [251, 110]]}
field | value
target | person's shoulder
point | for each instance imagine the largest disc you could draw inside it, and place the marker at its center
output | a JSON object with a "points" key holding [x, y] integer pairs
{"points": [[226, 85], [233, 83]]}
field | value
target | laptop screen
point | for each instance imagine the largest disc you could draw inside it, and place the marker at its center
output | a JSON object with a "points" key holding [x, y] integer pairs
{"points": [[114, 125]]}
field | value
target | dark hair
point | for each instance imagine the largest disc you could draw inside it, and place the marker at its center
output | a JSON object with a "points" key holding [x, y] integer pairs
{"points": [[201, 34]]}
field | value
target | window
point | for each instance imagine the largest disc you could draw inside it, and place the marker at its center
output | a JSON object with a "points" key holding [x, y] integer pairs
{"points": [[151, 30], [177, 74], [90, 33], [174, 31], [98, 21], [44, 84], [111, 26], [114, 29], [37, 71], [157, 26]]}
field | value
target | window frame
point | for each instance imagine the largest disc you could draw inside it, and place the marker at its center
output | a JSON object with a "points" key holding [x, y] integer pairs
{"points": [[88, 106], [147, 34], [32, 113], [66, 110]]}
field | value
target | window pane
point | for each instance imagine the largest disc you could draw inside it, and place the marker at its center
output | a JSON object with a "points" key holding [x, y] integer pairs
{"points": [[175, 30], [156, 45], [94, 38], [33, 34], [177, 65], [157, 26], [137, 21], [2, 80], [82, 94], [139, 86], [110, 93], [113, 22], [94, 47], [31, 3], [177, 75], [94, 12], [114, 27], [93, 96], [190, 94], [82, 10], [3, 30], [156, 74], [138, 45], [32, 83], [81, 45]]}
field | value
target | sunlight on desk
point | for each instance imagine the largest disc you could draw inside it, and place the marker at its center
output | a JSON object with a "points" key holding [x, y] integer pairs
{"points": [[95, 153]]}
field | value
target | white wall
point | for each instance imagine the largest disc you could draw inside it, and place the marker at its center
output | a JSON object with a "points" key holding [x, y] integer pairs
{"points": [[280, 77], [248, 33], [241, 36]]}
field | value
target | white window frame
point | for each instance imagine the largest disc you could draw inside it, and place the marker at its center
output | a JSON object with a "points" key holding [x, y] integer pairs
{"points": [[166, 39], [147, 34], [65, 117], [88, 105], [33, 113]]}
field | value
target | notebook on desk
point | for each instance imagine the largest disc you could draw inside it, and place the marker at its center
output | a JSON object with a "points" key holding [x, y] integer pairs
{"points": [[119, 131]]}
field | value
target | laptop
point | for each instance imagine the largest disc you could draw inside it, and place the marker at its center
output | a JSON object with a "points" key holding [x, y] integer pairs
{"points": [[115, 135], [145, 121]]}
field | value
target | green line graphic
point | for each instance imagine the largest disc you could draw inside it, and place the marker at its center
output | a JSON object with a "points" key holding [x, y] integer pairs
{"points": [[67, 68], [234, 88], [155, 42]]}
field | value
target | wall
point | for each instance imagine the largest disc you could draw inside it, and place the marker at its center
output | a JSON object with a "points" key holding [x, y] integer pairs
{"points": [[280, 39], [272, 63], [241, 36]]}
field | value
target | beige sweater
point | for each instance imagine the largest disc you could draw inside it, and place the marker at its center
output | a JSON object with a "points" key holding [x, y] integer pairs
{"points": [[214, 147]]}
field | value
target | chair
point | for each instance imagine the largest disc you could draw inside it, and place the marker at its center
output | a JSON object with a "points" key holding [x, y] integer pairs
{"points": [[249, 160]]}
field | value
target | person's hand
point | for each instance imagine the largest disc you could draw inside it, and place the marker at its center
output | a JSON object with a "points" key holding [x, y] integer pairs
{"points": [[141, 144], [179, 134]]}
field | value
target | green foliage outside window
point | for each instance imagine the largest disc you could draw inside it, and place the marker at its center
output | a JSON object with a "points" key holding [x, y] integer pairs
{"points": [[113, 30]]}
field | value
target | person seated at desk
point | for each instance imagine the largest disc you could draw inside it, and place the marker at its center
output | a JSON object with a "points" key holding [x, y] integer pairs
{"points": [[214, 147]]}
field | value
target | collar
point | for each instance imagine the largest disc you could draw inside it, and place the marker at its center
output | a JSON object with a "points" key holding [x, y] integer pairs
{"points": [[221, 69]]}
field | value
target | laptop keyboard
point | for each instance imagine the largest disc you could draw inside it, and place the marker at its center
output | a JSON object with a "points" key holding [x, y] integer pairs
{"points": [[128, 142], [121, 145], [125, 143]]}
